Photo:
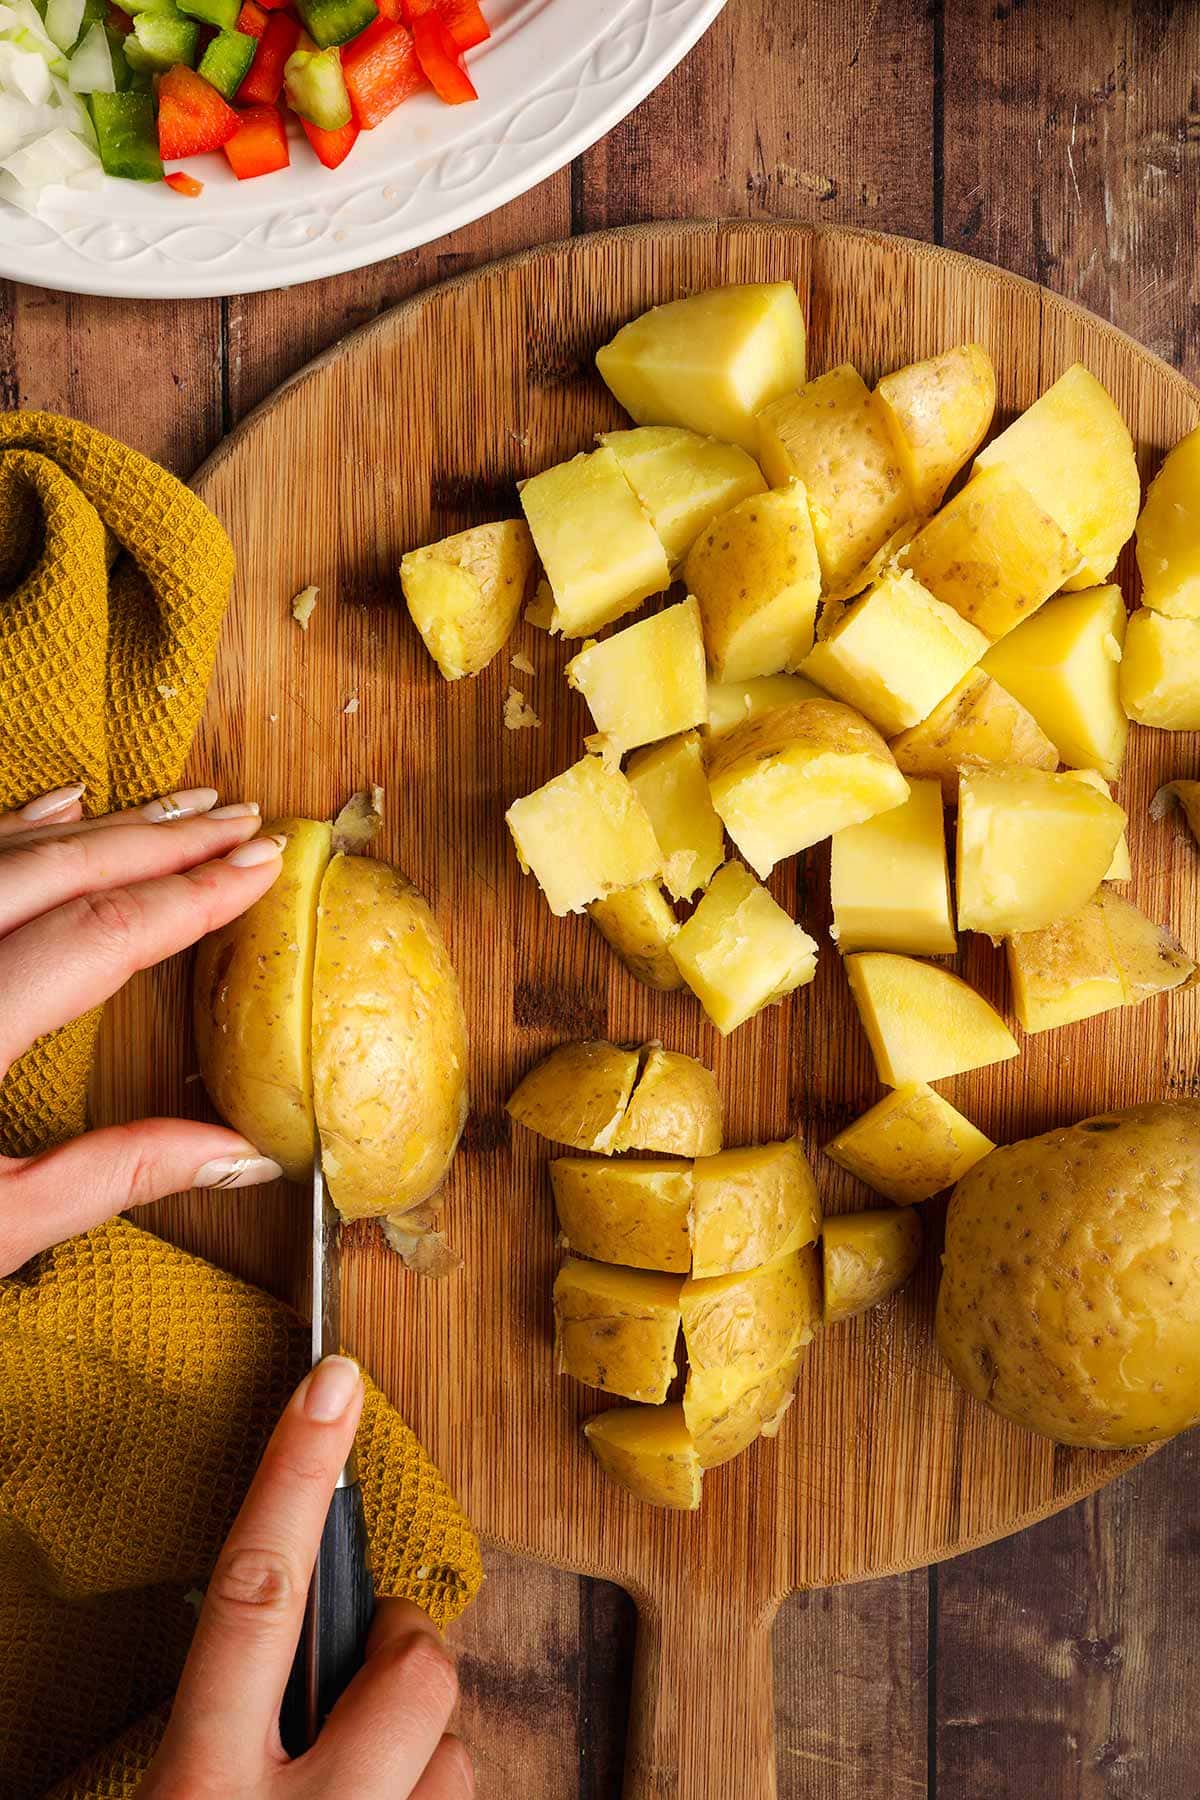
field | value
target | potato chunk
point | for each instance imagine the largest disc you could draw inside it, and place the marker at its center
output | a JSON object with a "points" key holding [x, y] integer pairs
{"points": [[867, 1257], [756, 575], [620, 1211], [683, 480], [1073, 453], [938, 412], [584, 834], [465, 593], [832, 436], [750, 1320], [671, 784], [648, 681], [978, 723], [1160, 671], [895, 653], [740, 951], [751, 1206], [601, 554], [1168, 533], [1120, 868], [726, 1409], [1150, 958], [1105, 956], [792, 777], [731, 703], [910, 1146], [922, 1022], [991, 553], [890, 879], [648, 1450], [1062, 665], [577, 1095], [639, 924], [1032, 848], [616, 1329], [675, 1107], [709, 362]]}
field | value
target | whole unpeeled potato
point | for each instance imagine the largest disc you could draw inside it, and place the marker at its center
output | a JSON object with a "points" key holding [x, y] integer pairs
{"points": [[1070, 1295]]}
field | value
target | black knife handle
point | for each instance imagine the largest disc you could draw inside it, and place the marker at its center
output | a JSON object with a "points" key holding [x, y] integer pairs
{"points": [[333, 1643]]}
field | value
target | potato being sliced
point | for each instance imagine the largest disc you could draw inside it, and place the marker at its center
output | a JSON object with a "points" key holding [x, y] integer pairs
{"points": [[910, 1146], [577, 1095], [731, 703], [675, 1109], [1121, 867], [683, 480], [584, 834], [750, 1321], [1062, 665], [750, 1206], [938, 412], [465, 593], [726, 1409], [924, 1023], [756, 576], [620, 1211], [1168, 533], [601, 554], [890, 879], [639, 924], [740, 951], [648, 1450], [1032, 848], [978, 723], [867, 1257], [670, 782], [648, 681], [1160, 671], [616, 1329]]}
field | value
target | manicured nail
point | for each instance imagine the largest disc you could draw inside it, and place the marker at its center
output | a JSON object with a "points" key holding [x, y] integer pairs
{"points": [[236, 1172], [245, 809], [183, 805], [331, 1388], [258, 850], [47, 805]]}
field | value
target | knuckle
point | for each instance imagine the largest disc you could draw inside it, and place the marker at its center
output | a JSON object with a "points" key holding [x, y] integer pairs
{"points": [[254, 1584], [288, 1466], [426, 1669], [113, 919]]}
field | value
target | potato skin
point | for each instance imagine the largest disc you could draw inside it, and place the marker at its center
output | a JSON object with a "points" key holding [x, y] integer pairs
{"points": [[675, 1109], [577, 1095], [867, 1257], [1070, 1294]]}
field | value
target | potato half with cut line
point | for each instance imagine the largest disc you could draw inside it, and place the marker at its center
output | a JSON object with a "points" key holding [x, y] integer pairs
{"points": [[577, 1095], [675, 1109]]}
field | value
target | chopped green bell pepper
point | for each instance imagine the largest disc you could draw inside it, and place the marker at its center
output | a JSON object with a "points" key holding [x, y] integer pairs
{"points": [[126, 135]]}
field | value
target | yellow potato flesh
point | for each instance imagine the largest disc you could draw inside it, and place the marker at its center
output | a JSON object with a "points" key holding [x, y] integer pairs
{"points": [[253, 1004], [740, 951], [1150, 957], [465, 593], [726, 1409], [756, 576], [910, 1146], [866, 1257], [890, 879], [1168, 533], [616, 1329], [1032, 848], [683, 480], [389, 1041], [648, 681], [1073, 453], [639, 924], [577, 1095], [648, 1450], [1160, 671], [601, 554], [1108, 955], [922, 1022], [709, 362], [1062, 665], [792, 777], [750, 1206], [978, 723], [938, 412], [675, 1108], [670, 782], [584, 834], [636, 1213], [731, 703], [751, 1320], [1120, 868]]}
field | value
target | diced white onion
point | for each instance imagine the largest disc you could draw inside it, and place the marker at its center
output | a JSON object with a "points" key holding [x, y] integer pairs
{"points": [[92, 65], [64, 22]]}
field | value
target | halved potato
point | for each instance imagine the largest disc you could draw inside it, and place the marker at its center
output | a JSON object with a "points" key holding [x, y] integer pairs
{"points": [[978, 723], [889, 879], [750, 1320], [867, 1257], [750, 1206], [938, 412], [465, 593], [756, 576], [910, 1146], [1032, 848], [740, 951], [731, 703], [616, 1329], [1062, 665], [670, 782], [1168, 533], [621, 1211], [639, 924], [577, 1095], [601, 554], [922, 1022], [648, 1450], [683, 480], [1160, 671], [675, 1108], [584, 834], [648, 681], [726, 1409]]}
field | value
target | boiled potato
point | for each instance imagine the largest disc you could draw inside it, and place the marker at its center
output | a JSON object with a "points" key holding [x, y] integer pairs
{"points": [[648, 1450], [601, 554], [895, 653], [740, 951], [670, 782], [731, 703], [991, 553], [750, 1321], [1160, 671], [756, 576], [648, 681], [577, 1095], [1091, 1335], [833, 437], [465, 593], [616, 1329], [1071, 450], [865, 1258], [389, 1041], [889, 879], [1062, 666], [976, 724], [709, 362], [584, 834], [1150, 958], [1120, 868], [1187, 795], [725, 1409], [938, 412], [639, 924], [675, 1108], [1168, 533], [1105, 956], [683, 480], [1032, 848], [751, 1206], [922, 1022], [621, 1211], [910, 1146], [792, 777], [252, 1008]]}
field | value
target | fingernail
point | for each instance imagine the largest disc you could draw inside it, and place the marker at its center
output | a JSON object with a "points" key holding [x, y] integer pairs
{"points": [[258, 850], [180, 806], [46, 805], [245, 809], [331, 1388], [236, 1172]]}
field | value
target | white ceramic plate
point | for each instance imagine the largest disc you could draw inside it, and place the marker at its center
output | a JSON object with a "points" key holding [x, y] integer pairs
{"points": [[552, 79]]}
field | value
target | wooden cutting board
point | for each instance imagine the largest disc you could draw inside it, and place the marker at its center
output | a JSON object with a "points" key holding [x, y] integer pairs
{"points": [[420, 425]]}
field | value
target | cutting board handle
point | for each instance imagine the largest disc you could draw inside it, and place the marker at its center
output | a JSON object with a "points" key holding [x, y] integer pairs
{"points": [[702, 1713]]}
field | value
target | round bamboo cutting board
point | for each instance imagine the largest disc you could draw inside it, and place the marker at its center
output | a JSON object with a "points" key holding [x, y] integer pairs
{"points": [[420, 425]]}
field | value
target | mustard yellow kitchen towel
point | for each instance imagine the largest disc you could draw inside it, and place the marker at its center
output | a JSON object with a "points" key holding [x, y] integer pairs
{"points": [[137, 1383]]}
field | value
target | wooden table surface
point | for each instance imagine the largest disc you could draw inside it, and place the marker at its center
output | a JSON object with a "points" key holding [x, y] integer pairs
{"points": [[1061, 141]]}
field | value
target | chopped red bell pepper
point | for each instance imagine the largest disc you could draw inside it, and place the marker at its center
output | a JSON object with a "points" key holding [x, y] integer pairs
{"points": [[192, 116], [264, 79], [462, 19], [259, 146], [332, 147], [393, 10], [441, 59], [380, 69], [117, 20], [274, 5], [183, 183], [252, 20]]}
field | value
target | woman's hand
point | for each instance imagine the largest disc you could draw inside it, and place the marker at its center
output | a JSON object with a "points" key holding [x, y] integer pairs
{"points": [[385, 1739], [83, 905]]}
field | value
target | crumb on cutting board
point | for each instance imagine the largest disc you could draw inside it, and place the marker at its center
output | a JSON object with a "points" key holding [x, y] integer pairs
{"points": [[522, 664], [351, 705], [359, 820], [304, 605], [518, 714]]}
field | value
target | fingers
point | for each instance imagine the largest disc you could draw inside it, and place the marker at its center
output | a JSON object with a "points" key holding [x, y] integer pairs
{"points": [[53, 808], [51, 814], [450, 1775], [61, 964]]}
